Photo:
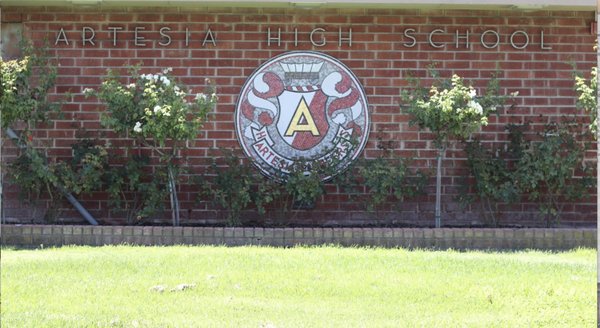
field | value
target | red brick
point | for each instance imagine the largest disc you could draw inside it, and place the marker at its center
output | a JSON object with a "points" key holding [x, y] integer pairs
{"points": [[14, 17]]}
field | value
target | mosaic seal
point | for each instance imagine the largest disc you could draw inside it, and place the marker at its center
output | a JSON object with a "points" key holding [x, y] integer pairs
{"points": [[302, 107]]}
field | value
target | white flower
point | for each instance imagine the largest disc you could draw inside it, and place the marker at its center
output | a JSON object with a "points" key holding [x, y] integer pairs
{"points": [[138, 127], [472, 93], [476, 107], [176, 88], [165, 110], [201, 96], [155, 77], [455, 80], [167, 70], [88, 91], [157, 109], [165, 80], [131, 86]]}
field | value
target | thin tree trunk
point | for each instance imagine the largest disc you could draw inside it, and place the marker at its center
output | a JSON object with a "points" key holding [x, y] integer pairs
{"points": [[492, 213], [484, 210], [173, 197], [438, 188]]}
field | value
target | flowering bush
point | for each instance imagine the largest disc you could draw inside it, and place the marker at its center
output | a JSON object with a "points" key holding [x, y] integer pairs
{"points": [[24, 102], [587, 96], [24, 88], [13, 74], [454, 112], [158, 112], [154, 108]]}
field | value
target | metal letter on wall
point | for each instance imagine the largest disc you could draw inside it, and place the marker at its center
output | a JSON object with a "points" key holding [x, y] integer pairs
{"points": [[512, 40], [302, 106], [493, 45]]}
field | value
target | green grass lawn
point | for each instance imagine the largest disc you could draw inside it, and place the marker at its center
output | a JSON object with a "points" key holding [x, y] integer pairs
{"points": [[298, 287]]}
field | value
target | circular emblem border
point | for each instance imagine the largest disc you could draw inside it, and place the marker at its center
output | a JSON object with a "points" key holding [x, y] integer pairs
{"points": [[250, 153]]}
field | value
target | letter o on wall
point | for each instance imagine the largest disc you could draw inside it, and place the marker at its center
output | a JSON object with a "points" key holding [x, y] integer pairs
{"points": [[512, 38], [486, 45]]}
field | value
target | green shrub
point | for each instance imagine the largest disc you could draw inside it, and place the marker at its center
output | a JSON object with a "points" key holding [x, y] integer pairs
{"points": [[547, 171], [494, 178], [386, 178], [234, 186], [304, 184], [548, 168], [35, 173], [132, 192]]}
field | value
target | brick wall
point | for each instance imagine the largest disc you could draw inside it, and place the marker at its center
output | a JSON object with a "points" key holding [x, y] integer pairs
{"points": [[380, 56]]}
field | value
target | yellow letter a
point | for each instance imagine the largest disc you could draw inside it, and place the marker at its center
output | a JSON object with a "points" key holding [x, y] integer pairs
{"points": [[302, 121]]}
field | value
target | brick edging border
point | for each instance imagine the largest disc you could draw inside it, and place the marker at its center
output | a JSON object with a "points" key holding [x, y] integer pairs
{"points": [[443, 238]]}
